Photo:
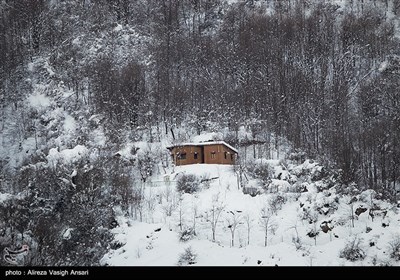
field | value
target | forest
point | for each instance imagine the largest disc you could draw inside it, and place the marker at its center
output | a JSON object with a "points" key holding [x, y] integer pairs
{"points": [[321, 75]]}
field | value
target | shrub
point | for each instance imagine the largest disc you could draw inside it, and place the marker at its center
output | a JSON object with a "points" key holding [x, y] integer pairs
{"points": [[276, 202], [252, 191], [260, 170], [188, 257], [298, 156], [206, 181], [395, 249], [186, 235], [297, 242], [188, 183], [352, 250]]}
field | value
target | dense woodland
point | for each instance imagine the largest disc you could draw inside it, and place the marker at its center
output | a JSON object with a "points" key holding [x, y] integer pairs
{"points": [[324, 77]]}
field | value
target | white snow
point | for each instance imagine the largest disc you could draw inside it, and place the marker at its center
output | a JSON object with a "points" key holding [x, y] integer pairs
{"points": [[206, 136], [67, 233], [67, 155], [76, 41], [98, 137], [128, 151], [383, 66], [69, 124], [48, 68], [31, 66], [155, 240], [118, 27], [206, 144], [74, 173], [4, 197], [39, 100]]}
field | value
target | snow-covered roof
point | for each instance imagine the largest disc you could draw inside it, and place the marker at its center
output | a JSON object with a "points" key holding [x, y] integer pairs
{"points": [[204, 144]]}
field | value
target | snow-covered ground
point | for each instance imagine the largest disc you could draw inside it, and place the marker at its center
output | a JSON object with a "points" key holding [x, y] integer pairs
{"points": [[155, 240]]}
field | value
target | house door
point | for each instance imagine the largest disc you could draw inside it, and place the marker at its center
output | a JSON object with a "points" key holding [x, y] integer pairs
{"points": [[202, 154]]}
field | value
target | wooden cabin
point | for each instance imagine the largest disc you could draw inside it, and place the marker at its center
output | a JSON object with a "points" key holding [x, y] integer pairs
{"points": [[213, 152]]}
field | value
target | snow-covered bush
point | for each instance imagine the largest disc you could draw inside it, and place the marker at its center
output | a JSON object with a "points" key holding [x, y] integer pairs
{"points": [[352, 250], [186, 234], [146, 162], [260, 170], [205, 181], [188, 257], [297, 156], [395, 248], [252, 191], [319, 173], [276, 202], [188, 183], [306, 214], [170, 204], [297, 242], [326, 205]]}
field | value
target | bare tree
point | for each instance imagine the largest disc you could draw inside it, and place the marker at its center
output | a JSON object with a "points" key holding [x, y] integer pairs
{"points": [[146, 163], [217, 207], [248, 222], [170, 205], [181, 209], [267, 223], [138, 201], [348, 211], [351, 214], [167, 193], [296, 239], [194, 213], [233, 220], [151, 203]]}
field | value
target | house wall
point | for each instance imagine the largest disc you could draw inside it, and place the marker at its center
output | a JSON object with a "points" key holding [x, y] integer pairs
{"points": [[190, 152], [219, 157]]}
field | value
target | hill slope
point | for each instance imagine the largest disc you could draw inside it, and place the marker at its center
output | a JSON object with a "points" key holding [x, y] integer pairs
{"points": [[156, 240]]}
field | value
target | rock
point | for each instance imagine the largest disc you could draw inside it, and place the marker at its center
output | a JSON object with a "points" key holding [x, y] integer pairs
{"points": [[114, 224], [158, 229], [259, 262], [325, 226], [360, 210]]}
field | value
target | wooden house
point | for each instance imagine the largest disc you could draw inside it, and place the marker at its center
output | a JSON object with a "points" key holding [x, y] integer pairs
{"points": [[212, 152]]}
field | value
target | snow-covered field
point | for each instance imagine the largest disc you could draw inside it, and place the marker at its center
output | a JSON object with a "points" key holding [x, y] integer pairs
{"points": [[155, 241]]}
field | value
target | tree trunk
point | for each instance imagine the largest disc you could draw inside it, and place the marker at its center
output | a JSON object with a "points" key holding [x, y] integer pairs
{"points": [[266, 237]]}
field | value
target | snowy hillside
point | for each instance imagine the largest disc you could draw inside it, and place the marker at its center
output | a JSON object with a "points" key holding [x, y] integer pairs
{"points": [[92, 94], [293, 219]]}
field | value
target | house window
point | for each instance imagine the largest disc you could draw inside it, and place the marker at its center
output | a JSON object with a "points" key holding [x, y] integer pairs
{"points": [[182, 156], [195, 156], [212, 155]]}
